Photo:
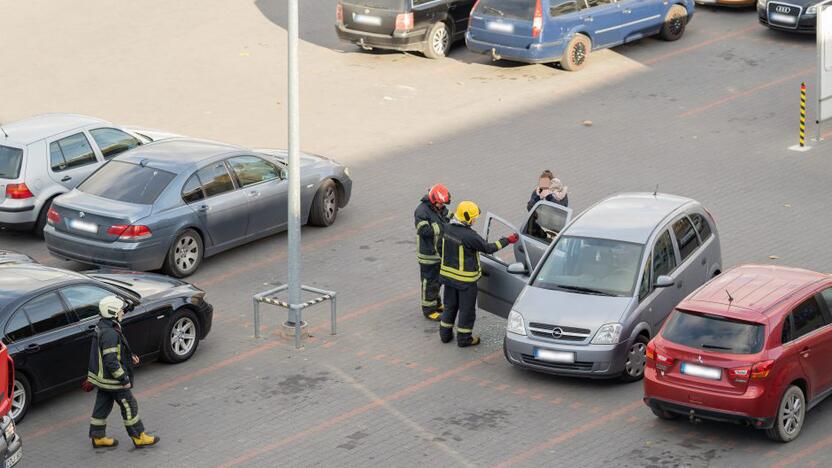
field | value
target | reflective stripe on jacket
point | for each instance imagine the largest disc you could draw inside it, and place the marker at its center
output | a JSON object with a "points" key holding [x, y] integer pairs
{"points": [[461, 247], [111, 365], [429, 225]]}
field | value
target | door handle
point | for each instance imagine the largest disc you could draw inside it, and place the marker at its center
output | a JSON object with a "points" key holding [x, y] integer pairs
{"points": [[704, 261], [254, 194], [627, 11], [805, 352], [33, 348], [66, 179], [588, 19], [92, 326], [679, 284], [521, 249], [203, 208]]}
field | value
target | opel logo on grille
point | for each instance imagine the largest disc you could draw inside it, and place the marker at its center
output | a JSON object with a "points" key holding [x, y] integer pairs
{"points": [[782, 9], [81, 214], [557, 332]]}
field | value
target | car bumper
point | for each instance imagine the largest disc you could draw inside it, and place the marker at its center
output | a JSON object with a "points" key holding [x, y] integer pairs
{"points": [[537, 53], [141, 256], [598, 361], [346, 185], [206, 312], [754, 407], [412, 41], [19, 215], [12, 447], [728, 3], [806, 24]]}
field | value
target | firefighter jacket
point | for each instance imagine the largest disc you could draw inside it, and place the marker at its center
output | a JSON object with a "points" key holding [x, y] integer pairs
{"points": [[111, 360], [461, 247], [429, 225]]}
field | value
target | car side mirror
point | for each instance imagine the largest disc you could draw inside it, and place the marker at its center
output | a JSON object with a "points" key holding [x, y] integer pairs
{"points": [[284, 174], [664, 281], [517, 269]]}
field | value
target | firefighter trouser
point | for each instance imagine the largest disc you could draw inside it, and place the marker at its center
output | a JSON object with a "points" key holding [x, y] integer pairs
{"points": [[430, 288], [463, 301], [129, 412]]}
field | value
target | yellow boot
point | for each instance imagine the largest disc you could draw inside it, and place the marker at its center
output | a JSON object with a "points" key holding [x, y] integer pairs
{"points": [[104, 442], [144, 440]]}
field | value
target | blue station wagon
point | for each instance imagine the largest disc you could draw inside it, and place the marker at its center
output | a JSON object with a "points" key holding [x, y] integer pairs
{"points": [[565, 31]]}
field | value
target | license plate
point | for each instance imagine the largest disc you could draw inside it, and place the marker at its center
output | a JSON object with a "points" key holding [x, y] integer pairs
{"points": [[701, 371], [501, 27], [79, 225], [705, 1], [12, 461], [781, 18], [364, 19], [554, 356]]}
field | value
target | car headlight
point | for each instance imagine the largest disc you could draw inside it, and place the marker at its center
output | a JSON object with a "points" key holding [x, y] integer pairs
{"points": [[515, 323], [761, 3], [812, 10], [608, 334], [347, 171], [9, 433]]}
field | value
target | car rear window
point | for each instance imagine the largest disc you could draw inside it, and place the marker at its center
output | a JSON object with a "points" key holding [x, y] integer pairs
{"points": [[127, 182], [714, 333], [513, 9], [10, 160]]}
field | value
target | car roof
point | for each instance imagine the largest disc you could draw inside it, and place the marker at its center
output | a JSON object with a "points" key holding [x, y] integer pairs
{"points": [[755, 290], [19, 279], [629, 217], [175, 154], [32, 129]]}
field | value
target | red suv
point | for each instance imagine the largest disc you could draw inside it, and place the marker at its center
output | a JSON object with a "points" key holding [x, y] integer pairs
{"points": [[751, 346]]}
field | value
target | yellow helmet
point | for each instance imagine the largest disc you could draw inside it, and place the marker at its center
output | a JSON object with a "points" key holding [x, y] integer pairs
{"points": [[467, 212]]}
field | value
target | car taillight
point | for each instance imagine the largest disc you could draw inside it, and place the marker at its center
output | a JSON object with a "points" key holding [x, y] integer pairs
{"points": [[339, 13], [476, 4], [651, 350], [537, 22], [761, 370], [52, 216], [710, 215], [739, 374], [18, 191], [404, 21], [663, 361], [129, 232]]}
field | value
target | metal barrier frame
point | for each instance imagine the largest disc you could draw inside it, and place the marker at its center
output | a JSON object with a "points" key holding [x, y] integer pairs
{"points": [[266, 297]]}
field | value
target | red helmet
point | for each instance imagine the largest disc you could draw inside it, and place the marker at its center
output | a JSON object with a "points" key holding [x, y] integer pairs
{"points": [[439, 194]]}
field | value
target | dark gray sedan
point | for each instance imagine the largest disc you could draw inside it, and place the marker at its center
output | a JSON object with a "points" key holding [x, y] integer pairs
{"points": [[169, 204]]}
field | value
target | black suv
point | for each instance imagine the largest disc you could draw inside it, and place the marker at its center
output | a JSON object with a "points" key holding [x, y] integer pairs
{"points": [[428, 26]]}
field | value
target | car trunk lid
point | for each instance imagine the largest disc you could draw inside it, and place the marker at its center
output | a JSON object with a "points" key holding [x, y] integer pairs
{"points": [[504, 22], [90, 216], [372, 16]]}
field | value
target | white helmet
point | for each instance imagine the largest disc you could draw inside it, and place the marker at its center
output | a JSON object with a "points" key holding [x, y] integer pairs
{"points": [[110, 306]]}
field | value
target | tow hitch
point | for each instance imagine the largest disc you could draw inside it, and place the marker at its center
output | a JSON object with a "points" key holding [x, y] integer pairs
{"points": [[494, 55], [692, 417], [363, 45]]}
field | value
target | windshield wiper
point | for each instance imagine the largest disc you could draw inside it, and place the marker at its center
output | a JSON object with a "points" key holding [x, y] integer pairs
{"points": [[713, 346], [584, 290], [493, 10]]}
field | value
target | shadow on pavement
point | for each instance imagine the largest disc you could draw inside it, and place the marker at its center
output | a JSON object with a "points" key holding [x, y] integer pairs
{"points": [[317, 20]]}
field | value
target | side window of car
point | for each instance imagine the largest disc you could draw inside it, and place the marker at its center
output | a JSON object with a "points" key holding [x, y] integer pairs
{"points": [[565, 7], [252, 170], [664, 258], [70, 152], [595, 3], [18, 327], [192, 190], [703, 227], [646, 286], [83, 300], [787, 334], [46, 313], [215, 179], [545, 223], [686, 237], [112, 141], [806, 318]]}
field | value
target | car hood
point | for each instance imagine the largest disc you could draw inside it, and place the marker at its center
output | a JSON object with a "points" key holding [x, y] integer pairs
{"points": [[12, 257], [305, 159], [153, 134], [567, 309], [146, 285]]}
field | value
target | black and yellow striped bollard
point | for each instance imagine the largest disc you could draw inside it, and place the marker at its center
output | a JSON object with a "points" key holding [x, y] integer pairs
{"points": [[802, 114]]}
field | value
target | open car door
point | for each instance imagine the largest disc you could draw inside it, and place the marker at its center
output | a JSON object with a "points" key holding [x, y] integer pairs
{"points": [[499, 288], [543, 224]]}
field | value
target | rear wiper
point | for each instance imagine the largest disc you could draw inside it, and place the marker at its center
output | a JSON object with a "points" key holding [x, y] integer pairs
{"points": [[713, 346], [584, 290], [493, 10]]}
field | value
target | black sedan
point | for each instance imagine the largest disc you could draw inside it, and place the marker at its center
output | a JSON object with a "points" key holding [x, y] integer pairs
{"points": [[49, 316], [789, 15]]}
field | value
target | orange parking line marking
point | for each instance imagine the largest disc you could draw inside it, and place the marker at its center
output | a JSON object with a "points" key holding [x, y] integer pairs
{"points": [[792, 458], [685, 50]]}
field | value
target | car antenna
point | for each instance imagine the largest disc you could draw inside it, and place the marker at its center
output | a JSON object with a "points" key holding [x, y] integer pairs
{"points": [[4, 131], [656, 190], [730, 299]]}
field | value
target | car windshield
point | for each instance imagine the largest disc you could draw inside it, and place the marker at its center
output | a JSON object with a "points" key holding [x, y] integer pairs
{"points": [[397, 5], [591, 266], [714, 333], [513, 9], [127, 182], [10, 159]]}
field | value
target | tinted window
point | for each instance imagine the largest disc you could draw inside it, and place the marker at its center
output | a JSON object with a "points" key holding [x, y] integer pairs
{"points": [[714, 333], [545, 223], [46, 313], [646, 281], [10, 159], [70, 152], [112, 142], [18, 327], [664, 259], [514, 9], [215, 179], [192, 190], [686, 237], [127, 182], [593, 3], [702, 226], [563, 8], [827, 297], [83, 300], [806, 318], [252, 170]]}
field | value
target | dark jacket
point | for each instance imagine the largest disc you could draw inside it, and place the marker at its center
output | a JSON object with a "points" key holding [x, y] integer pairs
{"points": [[429, 225], [550, 198], [111, 360], [460, 243]]}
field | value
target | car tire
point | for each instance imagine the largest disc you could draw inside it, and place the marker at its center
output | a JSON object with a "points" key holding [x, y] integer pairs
{"points": [[181, 337], [636, 359], [21, 398], [325, 205], [37, 230], [663, 414], [185, 254], [674, 23], [791, 413], [576, 53], [438, 42]]}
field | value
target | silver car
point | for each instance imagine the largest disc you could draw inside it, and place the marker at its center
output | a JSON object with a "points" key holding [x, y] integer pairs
{"points": [[167, 205], [604, 283], [42, 157]]}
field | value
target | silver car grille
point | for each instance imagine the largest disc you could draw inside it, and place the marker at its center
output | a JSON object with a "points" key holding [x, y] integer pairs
{"points": [[558, 332]]}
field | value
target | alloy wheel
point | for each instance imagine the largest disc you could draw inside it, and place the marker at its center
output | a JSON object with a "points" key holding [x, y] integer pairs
{"points": [[183, 336], [330, 203], [579, 53], [18, 400], [792, 414], [440, 41], [186, 253], [636, 359], [676, 24]]}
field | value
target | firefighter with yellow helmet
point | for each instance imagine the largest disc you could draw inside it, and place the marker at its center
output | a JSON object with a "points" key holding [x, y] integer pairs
{"points": [[459, 271]]}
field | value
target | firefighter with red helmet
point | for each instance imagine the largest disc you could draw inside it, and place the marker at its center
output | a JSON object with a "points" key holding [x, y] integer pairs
{"points": [[430, 218]]}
